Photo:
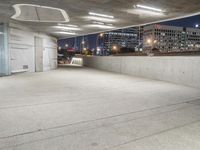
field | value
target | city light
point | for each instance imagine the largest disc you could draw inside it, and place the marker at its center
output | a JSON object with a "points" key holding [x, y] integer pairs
{"points": [[66, 45], [149, 41], [114, 47], [98, 49], [148, 8], [83, 42], [197, 26], [101, 15], [101, 34]]}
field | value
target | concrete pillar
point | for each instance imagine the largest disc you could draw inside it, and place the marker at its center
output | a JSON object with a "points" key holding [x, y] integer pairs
{"points": [[4, 51]]}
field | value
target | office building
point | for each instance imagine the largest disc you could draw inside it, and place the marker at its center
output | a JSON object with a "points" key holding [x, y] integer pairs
{"points": [[123, 38], [170, 38]]}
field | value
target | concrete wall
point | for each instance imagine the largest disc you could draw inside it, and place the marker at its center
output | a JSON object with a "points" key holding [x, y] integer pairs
{"points": [[22, 49], [181, 70]]}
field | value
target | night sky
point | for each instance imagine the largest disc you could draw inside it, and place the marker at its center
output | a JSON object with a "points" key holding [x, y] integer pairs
{"points": [[185, 22]]}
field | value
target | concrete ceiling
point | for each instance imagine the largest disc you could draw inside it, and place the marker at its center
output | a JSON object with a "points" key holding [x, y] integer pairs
{"points": [[124, 13]]}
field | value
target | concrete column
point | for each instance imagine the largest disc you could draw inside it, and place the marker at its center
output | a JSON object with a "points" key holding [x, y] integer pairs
{"points": [[4, 51]]}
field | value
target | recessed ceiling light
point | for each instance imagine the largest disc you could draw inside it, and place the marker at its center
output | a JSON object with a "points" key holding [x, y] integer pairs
{"points": [[64, 32], [101, 15], [67, 28], [148, 8]]}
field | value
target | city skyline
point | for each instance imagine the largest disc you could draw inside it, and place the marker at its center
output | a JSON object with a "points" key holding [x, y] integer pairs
{"points": [[92, 38]]}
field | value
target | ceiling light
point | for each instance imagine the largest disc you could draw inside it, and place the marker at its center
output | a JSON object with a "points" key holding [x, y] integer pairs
{"points": [[64, 32], [148, 8], [67, 28], [109, 24], [144, 13], [101, 15], [101, 26], [100, 19], [96, 22], [68, 25]]}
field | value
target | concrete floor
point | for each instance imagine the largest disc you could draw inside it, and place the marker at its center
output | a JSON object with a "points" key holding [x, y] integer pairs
{"points": [[87, 109]]}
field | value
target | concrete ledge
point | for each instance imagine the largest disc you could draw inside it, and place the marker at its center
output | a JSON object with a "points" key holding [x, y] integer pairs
{"points": [[183, 70]]}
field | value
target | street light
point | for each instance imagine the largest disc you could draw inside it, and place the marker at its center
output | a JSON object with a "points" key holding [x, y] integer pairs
{"points": [[149, 41], [155, 41], [114, 47], [101, 34]]}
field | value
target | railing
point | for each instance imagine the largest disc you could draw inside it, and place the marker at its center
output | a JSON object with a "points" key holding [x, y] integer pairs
{"points": [[77, 61]]}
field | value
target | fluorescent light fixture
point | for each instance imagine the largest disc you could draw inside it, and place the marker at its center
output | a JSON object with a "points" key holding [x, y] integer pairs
{"points": [[101, 15], [64, 32], [101, 26], [67, 28], [100, 19], [148, 8], [97, 22], [109, 24], [68, 25], [144, 13]]}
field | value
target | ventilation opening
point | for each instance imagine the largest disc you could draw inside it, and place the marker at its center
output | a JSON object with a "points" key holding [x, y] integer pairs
{"points": [[37, 13], [25, 66]]}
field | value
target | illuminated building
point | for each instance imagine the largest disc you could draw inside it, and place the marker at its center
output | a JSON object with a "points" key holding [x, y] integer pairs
{"points": [[170, 38], [123, 38]]}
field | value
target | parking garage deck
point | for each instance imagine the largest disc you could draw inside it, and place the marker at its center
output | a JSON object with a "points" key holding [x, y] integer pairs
{"points": [[80, 108]]}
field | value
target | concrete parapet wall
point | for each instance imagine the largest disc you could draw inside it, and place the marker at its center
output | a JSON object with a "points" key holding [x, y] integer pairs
{"points": [[183, 70]]}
